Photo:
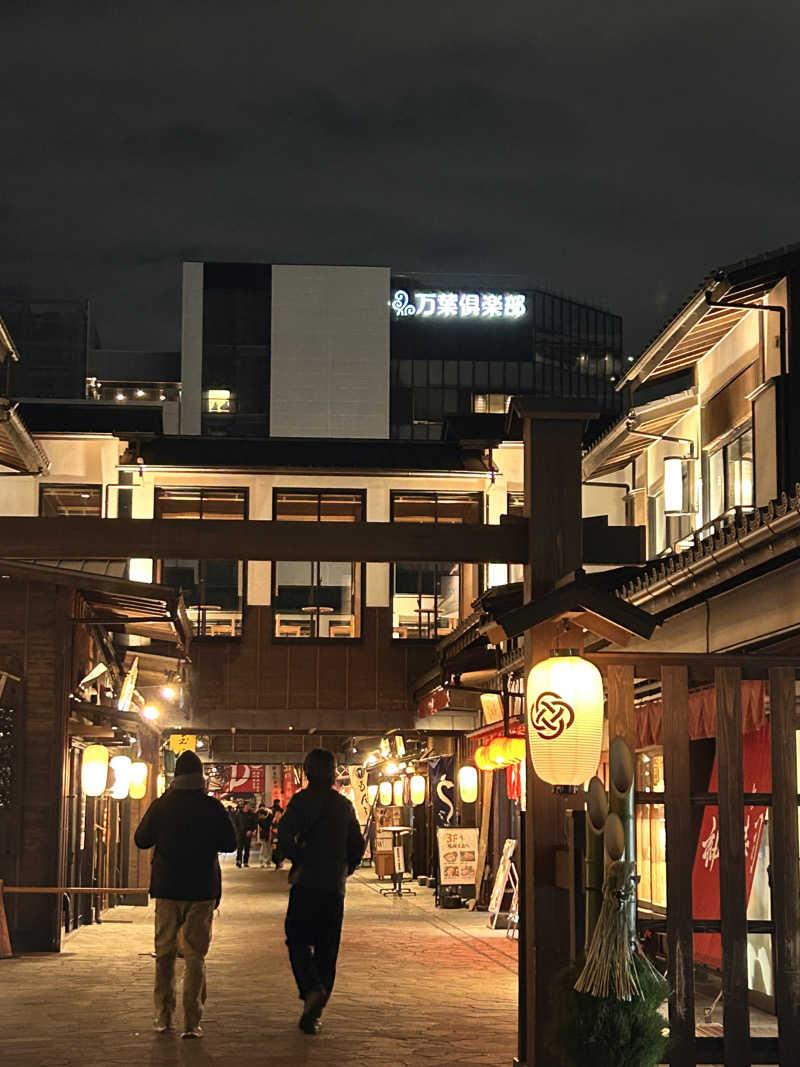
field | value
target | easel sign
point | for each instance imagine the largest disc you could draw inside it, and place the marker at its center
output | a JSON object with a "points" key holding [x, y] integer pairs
{"points": [[506, 873]]}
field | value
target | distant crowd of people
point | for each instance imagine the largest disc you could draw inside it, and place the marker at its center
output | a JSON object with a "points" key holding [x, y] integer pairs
{"points": [[318, 833], [250, 824]]}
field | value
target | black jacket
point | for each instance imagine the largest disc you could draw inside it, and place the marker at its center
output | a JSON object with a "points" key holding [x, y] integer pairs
{"points": [[320, 834], [245, 822], [188, 829]]}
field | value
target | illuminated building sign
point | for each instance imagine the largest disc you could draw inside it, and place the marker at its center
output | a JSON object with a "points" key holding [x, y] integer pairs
{"points": [[454, 305]]}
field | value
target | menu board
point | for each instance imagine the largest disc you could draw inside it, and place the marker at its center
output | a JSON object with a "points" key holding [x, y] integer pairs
{"points": [[458, 855]]}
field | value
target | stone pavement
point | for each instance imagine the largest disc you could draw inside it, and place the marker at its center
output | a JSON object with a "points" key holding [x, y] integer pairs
{"points": [[416, 986]]}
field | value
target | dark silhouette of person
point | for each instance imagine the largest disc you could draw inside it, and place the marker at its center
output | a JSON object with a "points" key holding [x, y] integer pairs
{"points": [[319, 833], [246, 825], [188, 828]]}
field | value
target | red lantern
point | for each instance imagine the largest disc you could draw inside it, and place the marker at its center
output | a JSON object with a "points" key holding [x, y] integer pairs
{"points": [[482, 760]]}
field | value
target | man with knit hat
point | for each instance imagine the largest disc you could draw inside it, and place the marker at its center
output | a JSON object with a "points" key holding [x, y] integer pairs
{"points": [[188, 828]]}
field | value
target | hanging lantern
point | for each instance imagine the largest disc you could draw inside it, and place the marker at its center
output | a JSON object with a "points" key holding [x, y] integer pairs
{"points": [[121, 766], [468, 784], [372, 792], [497, 752], [161, 785], [514, 750], [398, 792], [564, 700], [94, 770], [417, 789], [386, 793], [138, 786], [482, 760]]}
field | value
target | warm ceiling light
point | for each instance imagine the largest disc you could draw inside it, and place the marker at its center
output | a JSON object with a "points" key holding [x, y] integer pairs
{"points": [[140, 392], [391, 768], [120, 396], [169, 692], [150, 711]]}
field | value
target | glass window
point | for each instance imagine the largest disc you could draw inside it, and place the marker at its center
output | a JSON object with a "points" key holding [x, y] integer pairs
{"points": [[490, 403], [426, 597], [71, 501], [651, 838], [656, 526], [317, 599], [212, 589], [730, 476]]}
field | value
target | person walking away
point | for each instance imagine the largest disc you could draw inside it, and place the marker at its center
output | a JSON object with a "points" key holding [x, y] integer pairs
{"points": [[320, 834], [188, 829], [265, 820], [277, 815], [246, 828]]}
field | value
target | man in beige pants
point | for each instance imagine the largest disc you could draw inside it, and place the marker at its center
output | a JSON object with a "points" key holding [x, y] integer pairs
{"points": [[188, 829]]}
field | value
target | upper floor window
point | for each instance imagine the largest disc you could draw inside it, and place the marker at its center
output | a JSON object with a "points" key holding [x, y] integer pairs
{"points": [[490, 403], [212, 589], [317, 599], [70, 500], [426, 597], [730, 475]]}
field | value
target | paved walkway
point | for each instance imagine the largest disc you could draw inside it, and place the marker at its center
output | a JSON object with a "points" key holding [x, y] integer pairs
{"points": [[416, 986]]}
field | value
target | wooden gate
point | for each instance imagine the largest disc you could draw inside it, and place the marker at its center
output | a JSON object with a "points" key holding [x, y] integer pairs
{"points": [[677, 673]]}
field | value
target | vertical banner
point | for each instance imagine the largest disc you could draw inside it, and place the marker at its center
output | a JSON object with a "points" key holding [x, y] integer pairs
{"points": [[275, 782], [757, 771], [358, 783], [443, 791], [245, 778]]}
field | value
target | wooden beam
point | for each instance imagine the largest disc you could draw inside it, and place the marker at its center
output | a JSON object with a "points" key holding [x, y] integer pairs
{"points": [[785, 860], [732, 889], [680, 861], [621, 709], [651, 664], [370, 542]]}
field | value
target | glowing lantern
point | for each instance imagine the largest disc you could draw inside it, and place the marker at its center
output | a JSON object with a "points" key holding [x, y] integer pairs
{"points": [[138, 786], [372, 792], [386, 793], [497, 752], [514, 750], [468, 784], [398, 792], [564, 700], [161, 784], [94, 770], [482, 760], [417, 789], [121, 766]]}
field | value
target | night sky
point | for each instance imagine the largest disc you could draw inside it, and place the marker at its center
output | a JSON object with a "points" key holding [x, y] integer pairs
{"points": [[613, 151]]}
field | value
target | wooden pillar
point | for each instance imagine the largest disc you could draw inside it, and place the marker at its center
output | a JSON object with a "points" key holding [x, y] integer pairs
{"points": [[732, 891], [621, 710], [785, 878], [680, 861], [553, 488]]}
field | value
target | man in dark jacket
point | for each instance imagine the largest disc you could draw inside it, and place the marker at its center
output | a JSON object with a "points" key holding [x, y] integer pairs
{"points": [[319, 833], [245, 831], [188, 829]]}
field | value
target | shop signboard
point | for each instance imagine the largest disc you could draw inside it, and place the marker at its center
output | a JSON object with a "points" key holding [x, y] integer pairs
{"points": [[458, 855], [443, 790], [182, 743], [245, 778], [358, 783], [505, 872]]}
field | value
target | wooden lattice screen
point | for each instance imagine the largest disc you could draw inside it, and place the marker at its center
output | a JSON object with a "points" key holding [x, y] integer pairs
{"points": [[676, 673]]}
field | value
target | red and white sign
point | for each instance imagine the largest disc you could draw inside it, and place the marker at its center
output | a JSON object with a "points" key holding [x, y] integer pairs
{"points": [[245, 778], [705, 876]]}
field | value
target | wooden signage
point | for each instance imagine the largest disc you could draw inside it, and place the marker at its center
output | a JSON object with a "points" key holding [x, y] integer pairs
{"points": [[458, 855]]}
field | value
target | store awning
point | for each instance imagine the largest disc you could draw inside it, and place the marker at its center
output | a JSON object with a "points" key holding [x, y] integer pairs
{"points": [[18, 450]]}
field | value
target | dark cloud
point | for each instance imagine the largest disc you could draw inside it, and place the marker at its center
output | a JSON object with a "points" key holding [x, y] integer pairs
{"points": [[613, 152]]}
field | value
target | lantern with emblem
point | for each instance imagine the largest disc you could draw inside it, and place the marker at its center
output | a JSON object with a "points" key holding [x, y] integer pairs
{"points": [[564, 703]]}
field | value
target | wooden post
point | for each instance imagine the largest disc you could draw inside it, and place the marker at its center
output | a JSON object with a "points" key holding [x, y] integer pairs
{"points": [[732, 891], [5, 939], [680, 861], [785, 879], [621, 710], [555, 549]]}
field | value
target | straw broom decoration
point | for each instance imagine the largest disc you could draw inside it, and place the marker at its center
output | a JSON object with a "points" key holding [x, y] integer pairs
{"points": [[610, 969]]}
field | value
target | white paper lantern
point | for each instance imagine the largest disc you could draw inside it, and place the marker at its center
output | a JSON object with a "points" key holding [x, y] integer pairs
{"points": [[138, 782], [417, 785], [468, 784], [564, 700], [398, 792], [121, 766], [386, 793], [94, 770], [372, 792]]}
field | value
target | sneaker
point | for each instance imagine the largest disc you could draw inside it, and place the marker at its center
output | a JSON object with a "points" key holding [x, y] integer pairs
{"points": [[315, 1002], [162, 1023], [194, 1031]]}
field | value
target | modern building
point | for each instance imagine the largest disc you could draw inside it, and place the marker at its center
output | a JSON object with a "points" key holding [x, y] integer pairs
{"points": [[56, 337], [360, 352]]}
